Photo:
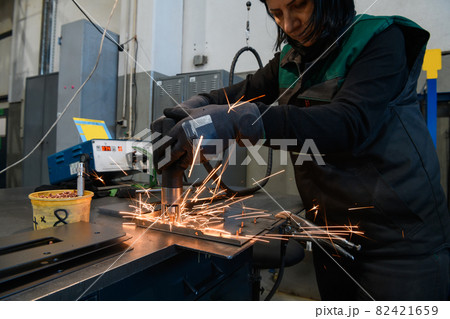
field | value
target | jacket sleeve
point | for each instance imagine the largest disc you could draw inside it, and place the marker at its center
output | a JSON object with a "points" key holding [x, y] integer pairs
{"points": [[358, 109], [263, 82]]}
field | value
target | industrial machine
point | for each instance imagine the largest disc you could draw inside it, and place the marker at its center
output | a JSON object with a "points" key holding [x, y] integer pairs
{"points": [[104, 160]]}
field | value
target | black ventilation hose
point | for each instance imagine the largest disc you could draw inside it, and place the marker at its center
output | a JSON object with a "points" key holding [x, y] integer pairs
{"points": [[247, 191], [235, 59]]}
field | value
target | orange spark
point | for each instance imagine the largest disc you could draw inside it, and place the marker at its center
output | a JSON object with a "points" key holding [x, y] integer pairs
{"points": [[118, 166], [237, 104], [360, 208], [226, 96], [233, 106], [267, 177], [248, 214], [97, 177], [254, 216], [255, 98]]}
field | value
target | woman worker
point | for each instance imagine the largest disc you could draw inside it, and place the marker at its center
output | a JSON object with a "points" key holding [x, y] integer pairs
{"points": [[348, 83]]}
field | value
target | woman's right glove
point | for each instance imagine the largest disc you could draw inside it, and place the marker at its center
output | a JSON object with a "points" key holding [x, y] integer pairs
{"points": [[213, 123]]}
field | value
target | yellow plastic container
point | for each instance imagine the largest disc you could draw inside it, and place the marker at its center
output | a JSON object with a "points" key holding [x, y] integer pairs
{"points": [[53, 212]]}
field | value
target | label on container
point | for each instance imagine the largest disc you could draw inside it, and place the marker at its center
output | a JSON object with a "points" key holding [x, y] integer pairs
{"points": [[73, 168]]}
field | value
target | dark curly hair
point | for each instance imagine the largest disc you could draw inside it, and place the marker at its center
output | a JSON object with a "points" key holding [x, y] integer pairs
{"points": [[327, 20]]}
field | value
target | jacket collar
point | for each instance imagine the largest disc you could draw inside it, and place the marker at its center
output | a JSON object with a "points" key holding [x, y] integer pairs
{"points": [[296, 57]]}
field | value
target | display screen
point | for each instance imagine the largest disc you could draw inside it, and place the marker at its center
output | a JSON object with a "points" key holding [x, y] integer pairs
{"points": [[106, 148]]}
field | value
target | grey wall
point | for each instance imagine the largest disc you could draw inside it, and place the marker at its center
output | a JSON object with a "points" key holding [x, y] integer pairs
{"points": [[432, 15]]}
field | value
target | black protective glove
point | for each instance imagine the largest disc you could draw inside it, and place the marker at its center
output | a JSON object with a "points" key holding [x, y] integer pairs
{"points": [[214, 123], [157, 126], [194, 102]]}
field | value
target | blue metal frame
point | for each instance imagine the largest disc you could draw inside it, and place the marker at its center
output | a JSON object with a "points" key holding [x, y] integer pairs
{"points": [[432, 108]]}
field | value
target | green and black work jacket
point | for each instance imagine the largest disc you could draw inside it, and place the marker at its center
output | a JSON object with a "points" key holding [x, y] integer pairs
{"points": [[356, 99]]}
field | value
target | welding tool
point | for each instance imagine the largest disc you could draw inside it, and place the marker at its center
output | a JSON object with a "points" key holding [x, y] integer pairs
{"points": [[171, 183], [213, 122], [208, 123]]}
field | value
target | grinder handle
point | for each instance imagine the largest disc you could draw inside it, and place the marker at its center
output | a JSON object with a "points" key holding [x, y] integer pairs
{"points": [[172, 176]]}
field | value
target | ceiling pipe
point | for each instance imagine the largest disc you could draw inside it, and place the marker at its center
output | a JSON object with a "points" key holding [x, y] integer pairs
{"points": [[47, 46]]}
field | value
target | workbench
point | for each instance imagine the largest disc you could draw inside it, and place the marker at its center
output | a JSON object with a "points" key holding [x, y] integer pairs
{"points": [[155, 265]]}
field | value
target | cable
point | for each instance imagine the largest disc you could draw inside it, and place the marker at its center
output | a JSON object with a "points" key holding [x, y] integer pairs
{"points": [[71, 100], [135, 88], [120, 46], [140, 66], [128, 41], [283, 249]]}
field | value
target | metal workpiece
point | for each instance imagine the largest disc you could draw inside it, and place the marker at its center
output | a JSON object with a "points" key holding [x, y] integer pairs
{"points": [[221, 221]]}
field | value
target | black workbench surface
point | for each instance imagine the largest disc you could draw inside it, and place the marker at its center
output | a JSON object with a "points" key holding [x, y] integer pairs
{"points": [[147, 248]]}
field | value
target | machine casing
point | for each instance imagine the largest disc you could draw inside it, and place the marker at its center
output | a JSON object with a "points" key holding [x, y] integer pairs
{"points": [[108, 158]]}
